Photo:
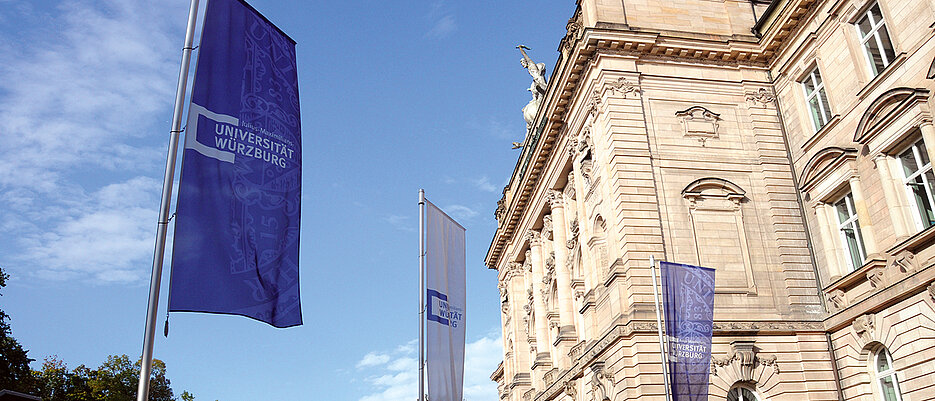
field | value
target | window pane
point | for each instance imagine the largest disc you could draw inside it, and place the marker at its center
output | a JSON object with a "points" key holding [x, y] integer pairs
{"points": [[863, 25], [809, 85], [883, 364], [888, 388], [908, 161], [853, 251], [928, 216], [923, 153], [877, 15], [887, 44], [816, 112], [841, 208], [824, 103], [876, 59]]}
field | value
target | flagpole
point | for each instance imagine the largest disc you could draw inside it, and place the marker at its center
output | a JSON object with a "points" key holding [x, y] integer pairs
{"points": [[421, 294], [662, 348], [146, 364]]}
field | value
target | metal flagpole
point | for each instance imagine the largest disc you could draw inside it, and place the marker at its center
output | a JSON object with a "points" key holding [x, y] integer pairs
{"points": [[142, 393], [662, 348], [421, 294]]}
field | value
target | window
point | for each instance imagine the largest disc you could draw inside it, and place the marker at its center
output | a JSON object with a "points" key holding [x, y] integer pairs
{"points": [[742, 394], [849, 229], [875, 39], [886, 376], [919, 182], [816, 98]]}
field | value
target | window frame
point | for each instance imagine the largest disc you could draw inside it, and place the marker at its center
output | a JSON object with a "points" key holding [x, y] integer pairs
{"points": [[874, 34], [850, 223], [741, 389], [818, 83], [879, 376], [918, 150]]}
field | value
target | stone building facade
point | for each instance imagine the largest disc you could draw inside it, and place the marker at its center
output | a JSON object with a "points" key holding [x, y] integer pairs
{"points": [[785, 144]]}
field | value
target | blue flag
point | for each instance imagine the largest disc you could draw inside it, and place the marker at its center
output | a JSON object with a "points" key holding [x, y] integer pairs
{"points": [[688, 292], [236, 246]]}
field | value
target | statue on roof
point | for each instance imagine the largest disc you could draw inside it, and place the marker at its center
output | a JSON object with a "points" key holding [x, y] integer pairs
{"points": [[537, 88]]}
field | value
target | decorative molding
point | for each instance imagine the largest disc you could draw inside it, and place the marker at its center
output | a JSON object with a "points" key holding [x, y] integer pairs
{"points": [[699, 123], [570, 388], [599, 379], [534, 237], [623, 86], [742, 361], [762, 97], [877, 277], [863, 326], [837, 301], [555, 199]]}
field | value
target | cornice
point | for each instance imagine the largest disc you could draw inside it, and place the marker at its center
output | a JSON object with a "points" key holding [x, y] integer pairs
{"points": [[565, 85]]}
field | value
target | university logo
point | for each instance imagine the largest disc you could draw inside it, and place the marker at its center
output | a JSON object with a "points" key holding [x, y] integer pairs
{"points": [[440, 311]]}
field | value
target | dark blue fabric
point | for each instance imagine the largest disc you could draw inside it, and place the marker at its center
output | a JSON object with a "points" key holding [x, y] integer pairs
{"points": [[236, 246], [688, 293]]}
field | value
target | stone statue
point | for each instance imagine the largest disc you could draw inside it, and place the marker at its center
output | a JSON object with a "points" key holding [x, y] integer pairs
{"points": [[537, 71], [537, 88]]}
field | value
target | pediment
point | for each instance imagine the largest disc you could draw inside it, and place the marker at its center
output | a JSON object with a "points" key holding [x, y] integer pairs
{"points": [[886, 108], [823, 162], [713, 187]]}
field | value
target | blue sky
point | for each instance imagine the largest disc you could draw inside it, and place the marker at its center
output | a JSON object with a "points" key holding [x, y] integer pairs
{"points": [[395, 96]]}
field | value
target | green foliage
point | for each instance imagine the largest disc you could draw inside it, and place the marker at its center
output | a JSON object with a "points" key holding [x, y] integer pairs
{"points": [[115, 380], [15, 373]]}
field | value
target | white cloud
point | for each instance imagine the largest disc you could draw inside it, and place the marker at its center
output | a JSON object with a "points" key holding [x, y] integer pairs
{"points": [[397, 378], [108, 238], [400, 222], [373, 359], [442, 20], [460, 212], [484, 184], [77, 111]]}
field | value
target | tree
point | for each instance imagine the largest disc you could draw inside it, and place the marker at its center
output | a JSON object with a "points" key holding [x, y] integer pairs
{"points": [[15, 373]]}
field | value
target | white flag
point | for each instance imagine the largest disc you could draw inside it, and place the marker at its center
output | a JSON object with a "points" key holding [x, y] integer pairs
{"points": [[444, 284]]}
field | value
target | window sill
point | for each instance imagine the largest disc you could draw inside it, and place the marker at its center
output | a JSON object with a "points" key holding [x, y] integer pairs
{"points": [[915, 242], [858, 276], [821, 133], [877, 80]]}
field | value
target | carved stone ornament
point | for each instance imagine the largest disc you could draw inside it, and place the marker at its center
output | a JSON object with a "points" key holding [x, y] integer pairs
{"points": [[599, 379], [594, 103], [534, 237], [574, 29], [876, 277], [547, 226], [863, 326], [570, 186], [570, 388], [699, 123], [836, 300], [623, 86], [527, 263], [498, 214], [761, 96], [743, 360], [586, 171], [555, 199], [572, 147], [931, 289], [905, 262]]}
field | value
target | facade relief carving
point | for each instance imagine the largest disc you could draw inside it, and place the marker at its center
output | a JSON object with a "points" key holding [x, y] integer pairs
{"points": [[877, 277], [761, 97], [905, 262], [836, 300], [601, 381], [699, 123], [863, 326]]}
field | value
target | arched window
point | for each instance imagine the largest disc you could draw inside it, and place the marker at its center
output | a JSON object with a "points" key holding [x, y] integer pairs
{"points": [[742, 394], [887, 385]]}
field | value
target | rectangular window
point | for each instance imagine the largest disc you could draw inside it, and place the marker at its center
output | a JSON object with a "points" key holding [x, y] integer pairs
{"points": [[919, 182], [816, 98], [849, 229], [875, 39]]}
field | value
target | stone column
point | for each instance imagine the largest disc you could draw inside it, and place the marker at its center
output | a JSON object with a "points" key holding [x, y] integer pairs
{"points": [[562, 274], [928, 135], [543, 356], [893, 202], [516, 373], [863, 216], [829, 239]]}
